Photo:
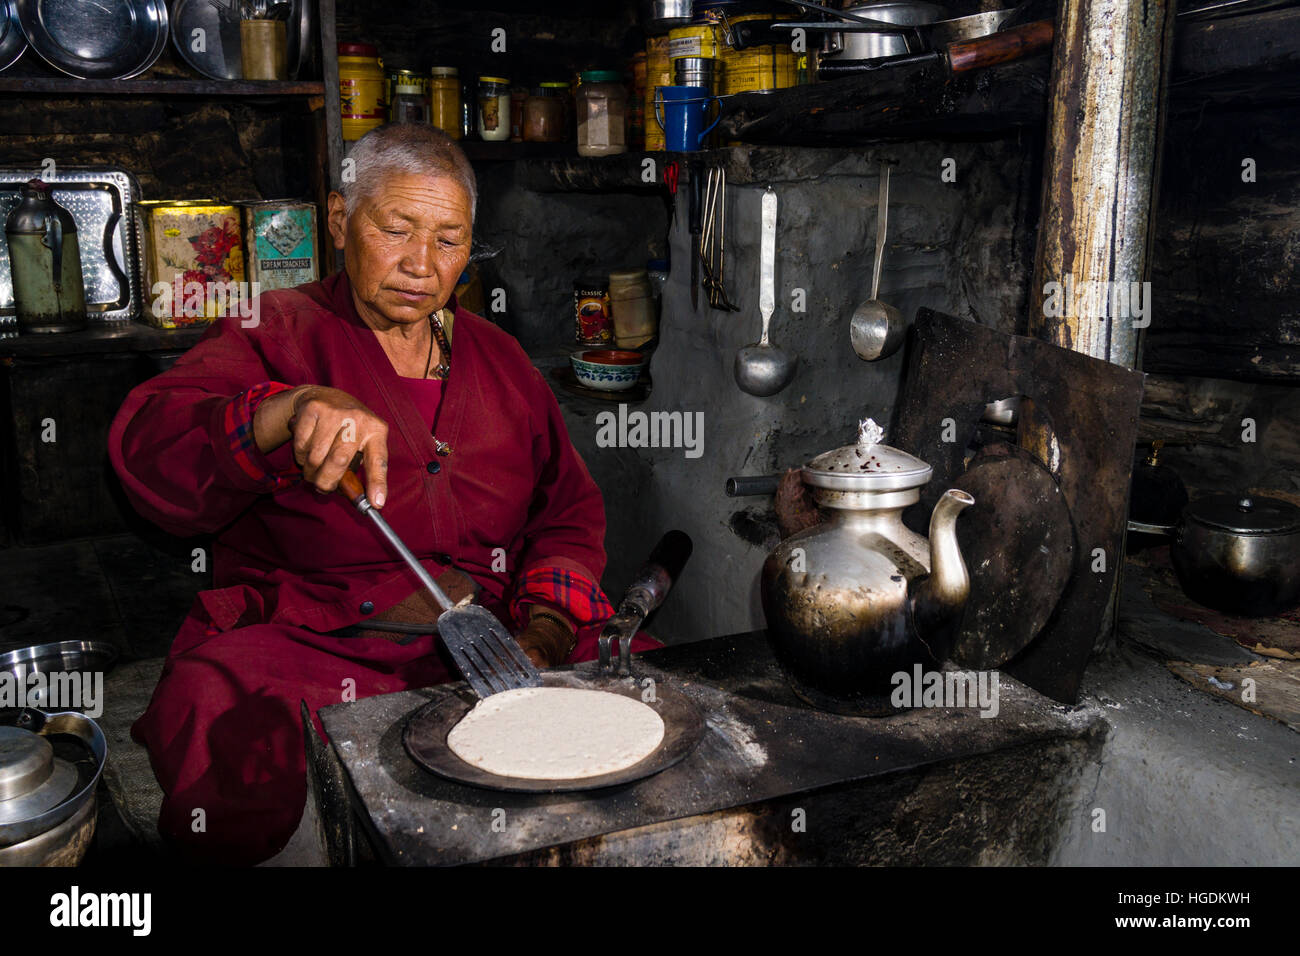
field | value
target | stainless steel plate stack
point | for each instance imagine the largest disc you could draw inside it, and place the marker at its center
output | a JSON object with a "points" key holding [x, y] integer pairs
{"points": [[104, 40], [100, 200]]}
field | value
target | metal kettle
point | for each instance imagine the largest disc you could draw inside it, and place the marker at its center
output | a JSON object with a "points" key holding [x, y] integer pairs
{"points": [[45, 263], [860, 598]]}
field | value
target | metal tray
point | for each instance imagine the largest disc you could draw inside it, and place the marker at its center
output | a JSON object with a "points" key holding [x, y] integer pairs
{"points": [[109, 39], [100, 200], [425, 736]]}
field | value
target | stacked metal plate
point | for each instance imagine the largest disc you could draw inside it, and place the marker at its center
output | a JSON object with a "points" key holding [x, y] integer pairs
{"points": [[104, 40], [100, 200]]}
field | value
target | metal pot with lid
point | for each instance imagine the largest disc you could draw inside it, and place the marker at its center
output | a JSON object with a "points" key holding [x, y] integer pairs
{"points": [[860, 597], [47, 802], [1236, 554]]}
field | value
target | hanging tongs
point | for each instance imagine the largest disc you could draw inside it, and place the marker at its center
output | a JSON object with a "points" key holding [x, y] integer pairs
{"points": [[647, 592]]}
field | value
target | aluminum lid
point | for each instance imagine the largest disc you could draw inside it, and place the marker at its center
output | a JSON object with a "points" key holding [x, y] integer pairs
{"points": [[26, 761], [1245, 514], [867, 466]]}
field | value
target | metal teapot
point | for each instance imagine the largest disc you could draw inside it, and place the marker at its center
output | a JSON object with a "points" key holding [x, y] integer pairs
{"points": [[860, 597], [45, 263]]}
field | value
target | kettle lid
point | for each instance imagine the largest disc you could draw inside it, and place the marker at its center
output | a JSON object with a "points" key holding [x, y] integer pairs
{"points": [[867, 465]]}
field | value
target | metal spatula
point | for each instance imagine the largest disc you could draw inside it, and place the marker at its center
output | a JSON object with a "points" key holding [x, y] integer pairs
{"points": [[487, 656]]}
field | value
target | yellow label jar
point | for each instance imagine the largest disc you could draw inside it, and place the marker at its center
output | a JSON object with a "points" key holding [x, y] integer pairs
{"points": [[444, 99], [493, 108], [361, 89]]}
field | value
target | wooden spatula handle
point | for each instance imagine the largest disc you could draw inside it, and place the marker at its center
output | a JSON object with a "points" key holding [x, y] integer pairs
{"points": [[350, 485]]}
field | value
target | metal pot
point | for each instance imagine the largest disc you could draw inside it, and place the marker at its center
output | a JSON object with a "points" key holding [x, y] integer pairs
{"points": [[1236, 555], [866, 44], [47, 814]]}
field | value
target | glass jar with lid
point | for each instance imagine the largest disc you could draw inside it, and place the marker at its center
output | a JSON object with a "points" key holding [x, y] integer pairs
{"points": [[544, 114], [602, 113], [408, 102], [493, 109], [444, 99]]}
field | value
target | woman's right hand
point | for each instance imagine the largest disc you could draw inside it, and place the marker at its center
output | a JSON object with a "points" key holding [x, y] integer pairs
{"points": [[328, 428]]}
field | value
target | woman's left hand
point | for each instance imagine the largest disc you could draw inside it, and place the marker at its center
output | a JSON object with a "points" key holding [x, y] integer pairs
{"points": [[546, 640]]}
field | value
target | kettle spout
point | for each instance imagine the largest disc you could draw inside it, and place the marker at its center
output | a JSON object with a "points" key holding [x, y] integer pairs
{"points": [[938, 599]]}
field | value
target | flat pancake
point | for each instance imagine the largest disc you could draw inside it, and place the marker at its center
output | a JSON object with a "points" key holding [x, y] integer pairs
{"points": [[556, 733]]}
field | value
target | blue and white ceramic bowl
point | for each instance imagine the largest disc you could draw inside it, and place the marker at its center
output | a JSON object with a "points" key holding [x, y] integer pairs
{"points": [[610, 370]]}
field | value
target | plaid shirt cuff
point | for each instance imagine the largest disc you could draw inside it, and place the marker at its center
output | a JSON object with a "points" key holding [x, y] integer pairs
{"points": [[238, 423], [564, 589]]}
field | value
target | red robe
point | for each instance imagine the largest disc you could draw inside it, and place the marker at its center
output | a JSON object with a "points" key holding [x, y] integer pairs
{"points": [[291, 565]]}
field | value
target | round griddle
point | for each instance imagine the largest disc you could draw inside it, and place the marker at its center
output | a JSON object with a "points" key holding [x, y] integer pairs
{"points": [[1018, 545], [425, 736]]}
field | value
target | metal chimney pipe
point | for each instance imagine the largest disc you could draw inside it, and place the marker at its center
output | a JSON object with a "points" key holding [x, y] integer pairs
{"points": [[1105, 120]]}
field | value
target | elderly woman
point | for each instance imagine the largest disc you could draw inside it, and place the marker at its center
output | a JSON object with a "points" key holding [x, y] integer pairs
{"points": [[462, 447]]}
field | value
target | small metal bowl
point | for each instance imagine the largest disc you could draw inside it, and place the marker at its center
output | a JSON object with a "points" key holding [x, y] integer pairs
{"points": [[57, 657]]}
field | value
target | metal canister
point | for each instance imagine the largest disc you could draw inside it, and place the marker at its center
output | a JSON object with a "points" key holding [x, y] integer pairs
{"points": [[195, 262], [280, 243], [593, 321], [361, 89], [45, 263], [696, 39], [659, 72], [756, 68]]}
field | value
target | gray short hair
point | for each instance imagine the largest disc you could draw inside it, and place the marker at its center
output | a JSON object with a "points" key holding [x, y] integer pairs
{"points": [[414, 148]]}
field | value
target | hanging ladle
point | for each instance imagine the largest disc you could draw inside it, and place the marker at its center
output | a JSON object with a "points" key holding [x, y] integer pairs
{"points": [[878, 329], [764, 368]]}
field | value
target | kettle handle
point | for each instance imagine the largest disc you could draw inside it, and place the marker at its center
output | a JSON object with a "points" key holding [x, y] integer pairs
{"points": [[53, 240]]}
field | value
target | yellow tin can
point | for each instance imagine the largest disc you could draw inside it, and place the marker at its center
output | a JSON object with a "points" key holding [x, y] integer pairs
{"points": [[759, 68], [659, 72], [697, 39], [194, 263], [444, 99], [362, 87]]}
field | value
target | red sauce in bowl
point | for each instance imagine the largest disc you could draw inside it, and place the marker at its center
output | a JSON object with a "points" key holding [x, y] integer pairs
{"points": [[612, 357]]}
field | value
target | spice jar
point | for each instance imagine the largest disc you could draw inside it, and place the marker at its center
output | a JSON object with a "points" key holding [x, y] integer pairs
{"points": [[444, 100], [408, 104], [602, 109], [544, 120], [361, 89], [632, 308], [518, 96], [493, 109]]}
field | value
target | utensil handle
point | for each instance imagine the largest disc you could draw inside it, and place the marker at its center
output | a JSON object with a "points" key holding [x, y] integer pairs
{"points": [[350, 486], [1164, 530], [653, 582], [697, 188], [745, 486], [1002, 47], [882, 226], [767, 261]]}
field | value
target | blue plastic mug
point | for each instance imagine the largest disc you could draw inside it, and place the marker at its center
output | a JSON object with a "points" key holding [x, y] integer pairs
{"points": [[681, 111]]}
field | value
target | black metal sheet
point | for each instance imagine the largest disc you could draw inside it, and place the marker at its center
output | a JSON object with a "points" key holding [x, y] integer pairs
{"points": [[955, 368]]}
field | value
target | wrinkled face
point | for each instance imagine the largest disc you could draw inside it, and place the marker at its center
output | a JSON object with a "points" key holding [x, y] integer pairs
{"points": [[405, 246]]}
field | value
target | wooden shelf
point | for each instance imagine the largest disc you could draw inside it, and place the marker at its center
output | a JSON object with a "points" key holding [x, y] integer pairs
{"points": [[51, 85], [97, 340]]}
